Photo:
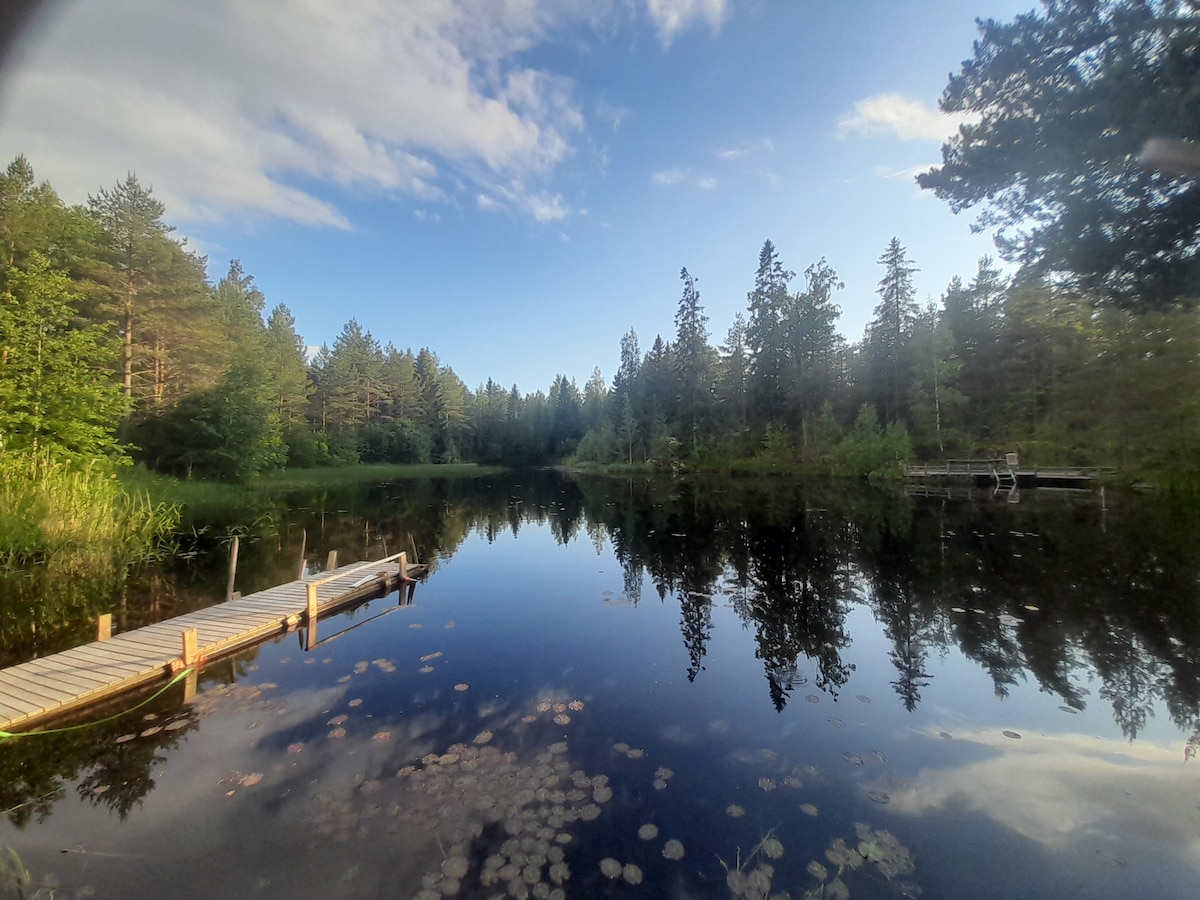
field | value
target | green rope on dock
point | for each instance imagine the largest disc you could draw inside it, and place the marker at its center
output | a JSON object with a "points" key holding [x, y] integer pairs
{"points": [[4, 735]]}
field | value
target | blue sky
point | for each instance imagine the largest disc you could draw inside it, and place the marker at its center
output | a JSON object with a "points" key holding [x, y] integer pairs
{"points": [[513, 183]]}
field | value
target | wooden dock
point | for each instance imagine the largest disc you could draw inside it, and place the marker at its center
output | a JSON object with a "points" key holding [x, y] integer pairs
{"points": [[1005, 473], [48, 687]]}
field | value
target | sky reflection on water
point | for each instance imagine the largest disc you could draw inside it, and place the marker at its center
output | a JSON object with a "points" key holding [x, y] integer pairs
{"points": [[791, 664]]}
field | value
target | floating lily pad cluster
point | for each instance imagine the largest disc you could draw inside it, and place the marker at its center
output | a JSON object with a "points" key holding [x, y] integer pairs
{"points": [[503, 820]]}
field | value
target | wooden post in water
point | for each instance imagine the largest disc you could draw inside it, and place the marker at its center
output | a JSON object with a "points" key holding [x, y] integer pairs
{"points": [[311, 614], [233, 555], [303, 547], [331, 561], [104, 627], [189, 687], [190, 647], [403, 566]]}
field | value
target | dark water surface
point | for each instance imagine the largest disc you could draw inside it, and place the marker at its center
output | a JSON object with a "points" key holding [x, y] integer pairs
{"points": [[611, 688]]}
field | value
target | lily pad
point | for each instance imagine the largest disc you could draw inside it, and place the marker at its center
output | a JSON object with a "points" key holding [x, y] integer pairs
{"points": [[1011, 734], [461, 686], [863, 698], [766, 784], [610, 867], [817, 870], [879, 755], [734, 811], [773, 848], [648, 832], [878, 797], [673, 850], [808, 809], [456, 866], [664, 773], [425, 670], [428, 656], [852, 758], [632, 874], [812, 698]]}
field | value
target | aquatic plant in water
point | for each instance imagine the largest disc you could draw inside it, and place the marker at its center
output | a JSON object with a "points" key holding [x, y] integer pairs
{"points": [[754, 878], [16, 882]]}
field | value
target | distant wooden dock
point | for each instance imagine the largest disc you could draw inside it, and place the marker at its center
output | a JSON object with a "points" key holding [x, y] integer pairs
{"points": [[1005, 473], [63, 682]]}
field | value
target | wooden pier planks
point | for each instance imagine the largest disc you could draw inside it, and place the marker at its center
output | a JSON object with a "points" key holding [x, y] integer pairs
{"points": [[83, 675]]}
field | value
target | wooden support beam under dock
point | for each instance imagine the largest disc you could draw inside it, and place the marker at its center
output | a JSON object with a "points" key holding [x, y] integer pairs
{"points": [[56, 684]]}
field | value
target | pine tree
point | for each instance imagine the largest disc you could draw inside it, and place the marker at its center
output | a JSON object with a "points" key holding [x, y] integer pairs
{"points": [[888, 334], [694, 361], [766, 335]]}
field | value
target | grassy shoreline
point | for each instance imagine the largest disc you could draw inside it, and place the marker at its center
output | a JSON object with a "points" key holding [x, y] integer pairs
{"points": [[208, 493]]}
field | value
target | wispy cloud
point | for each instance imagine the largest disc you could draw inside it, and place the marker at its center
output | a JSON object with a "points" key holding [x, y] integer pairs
{"points": [[669, 177], [673, 16], [894, 115], [679, 177], [908, 173], [488, 204], [746, 150], [253, 110]]}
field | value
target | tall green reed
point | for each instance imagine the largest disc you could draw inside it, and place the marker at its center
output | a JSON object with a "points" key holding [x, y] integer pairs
{"points": [[76, 516]]}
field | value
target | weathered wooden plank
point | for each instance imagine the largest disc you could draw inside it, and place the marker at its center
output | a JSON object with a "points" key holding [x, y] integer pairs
{"points": [[111, 657], [21, 702], [44, 695], [7, 711], [80, 679]]}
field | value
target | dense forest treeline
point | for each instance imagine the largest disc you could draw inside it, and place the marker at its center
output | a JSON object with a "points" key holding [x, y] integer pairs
{"points": [[114, 342]]}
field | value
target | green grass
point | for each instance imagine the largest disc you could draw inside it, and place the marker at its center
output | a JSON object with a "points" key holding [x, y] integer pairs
{"points": [[295, 479], [215, 494], [77, 516]]}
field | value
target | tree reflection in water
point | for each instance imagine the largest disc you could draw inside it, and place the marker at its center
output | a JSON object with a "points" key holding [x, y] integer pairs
{"points": [[1050, 590]]}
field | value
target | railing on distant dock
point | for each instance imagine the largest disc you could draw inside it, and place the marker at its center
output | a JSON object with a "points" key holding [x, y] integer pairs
{"points": [[1005, 469]]}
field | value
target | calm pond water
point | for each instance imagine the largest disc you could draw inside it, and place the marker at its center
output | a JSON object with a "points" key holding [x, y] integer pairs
{"points": [[608, 688]]}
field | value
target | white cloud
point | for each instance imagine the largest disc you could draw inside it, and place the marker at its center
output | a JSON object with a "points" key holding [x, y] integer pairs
{"points": [[895, 115], [236, 110], [673, 16], [746, 149], [674, 177], [1062, 791], [488, 204], [669, 177], [908, 173]]}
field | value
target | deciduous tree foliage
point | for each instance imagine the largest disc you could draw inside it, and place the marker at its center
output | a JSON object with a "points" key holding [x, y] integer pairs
{"points": [[57, 399], [1060, 106]]}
